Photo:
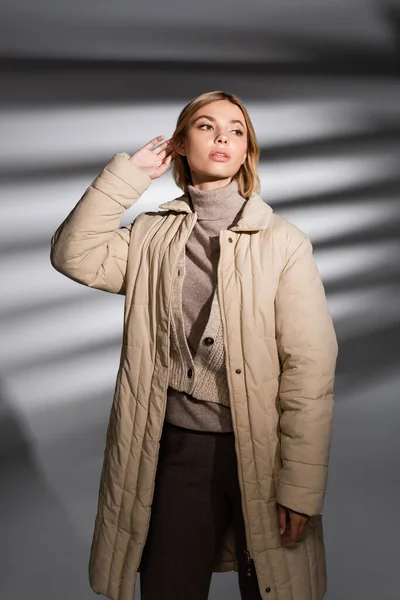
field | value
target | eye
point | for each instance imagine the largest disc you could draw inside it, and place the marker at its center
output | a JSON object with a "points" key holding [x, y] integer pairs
{"points": [[208, 125]]}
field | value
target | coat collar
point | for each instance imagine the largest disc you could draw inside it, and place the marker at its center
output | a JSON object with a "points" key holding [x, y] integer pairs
{"points": [[255, 216]]}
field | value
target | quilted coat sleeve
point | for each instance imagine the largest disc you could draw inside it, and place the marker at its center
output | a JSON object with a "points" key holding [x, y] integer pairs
{"points": [[308, 349], [89, 246]]}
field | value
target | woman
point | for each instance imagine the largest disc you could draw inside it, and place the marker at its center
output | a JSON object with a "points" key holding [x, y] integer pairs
{"points": [[218, 440]]}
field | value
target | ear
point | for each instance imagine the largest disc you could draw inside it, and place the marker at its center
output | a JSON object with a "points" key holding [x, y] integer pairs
{"points": [[244, 159], [180, 147]]}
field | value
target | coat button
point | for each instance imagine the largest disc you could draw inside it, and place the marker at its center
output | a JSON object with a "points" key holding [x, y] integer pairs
{"points": [[238, 371], [230, 240], [208, 341], [268, 590], [190, 373]]}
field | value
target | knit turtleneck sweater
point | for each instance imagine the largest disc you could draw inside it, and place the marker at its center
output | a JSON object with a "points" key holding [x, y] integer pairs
{"points": [[216, 209]]}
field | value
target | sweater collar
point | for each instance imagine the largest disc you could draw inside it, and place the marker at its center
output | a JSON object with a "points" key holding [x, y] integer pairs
{"points": [[220, 203], [255, 215]]}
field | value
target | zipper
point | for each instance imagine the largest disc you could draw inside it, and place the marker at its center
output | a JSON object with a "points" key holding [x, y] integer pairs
{"points": [[248, 563], [194, 219], [248, 550]]}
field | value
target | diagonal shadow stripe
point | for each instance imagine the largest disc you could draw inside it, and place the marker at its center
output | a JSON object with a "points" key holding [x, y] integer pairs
{"points": [[59, 355], [329, 146]]}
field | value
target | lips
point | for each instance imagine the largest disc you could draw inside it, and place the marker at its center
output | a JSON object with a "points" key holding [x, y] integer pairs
{"points": [[219, 155]]}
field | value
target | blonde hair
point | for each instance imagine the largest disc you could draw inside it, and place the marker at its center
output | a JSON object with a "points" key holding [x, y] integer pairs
{"points": [[247, 176]]}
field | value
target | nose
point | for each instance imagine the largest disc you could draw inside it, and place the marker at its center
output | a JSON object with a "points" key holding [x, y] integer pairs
{"points": [[222, 138]]}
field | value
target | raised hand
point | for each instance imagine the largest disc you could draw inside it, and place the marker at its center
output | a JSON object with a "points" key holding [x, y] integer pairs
{"points": [[155, 161]]}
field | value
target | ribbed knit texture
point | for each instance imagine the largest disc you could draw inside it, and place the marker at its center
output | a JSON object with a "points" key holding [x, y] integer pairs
{"points": [[201, 401], [208, 380]]}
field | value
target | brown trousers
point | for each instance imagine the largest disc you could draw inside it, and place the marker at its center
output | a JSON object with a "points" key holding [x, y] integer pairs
{"points": [[196, 491]]}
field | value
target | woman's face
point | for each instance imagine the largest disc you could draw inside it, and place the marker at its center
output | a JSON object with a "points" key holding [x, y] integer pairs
{"points": [[219, 125]]}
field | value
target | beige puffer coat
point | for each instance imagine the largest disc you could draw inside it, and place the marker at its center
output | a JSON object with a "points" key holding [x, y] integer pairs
{"points": [[281, 352]]}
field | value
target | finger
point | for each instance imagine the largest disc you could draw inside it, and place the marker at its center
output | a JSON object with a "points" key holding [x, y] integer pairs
{"points": [[164, 166], [303, 526], [300, 529], [173, 153], [294, 527], [154, 141], [281, 519], [163, 144], [166, 150], [166, 162], [171, 146], [286, 537]]}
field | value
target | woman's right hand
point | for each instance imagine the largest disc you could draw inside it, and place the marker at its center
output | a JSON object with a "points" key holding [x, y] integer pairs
{"points": [[154, 161]]}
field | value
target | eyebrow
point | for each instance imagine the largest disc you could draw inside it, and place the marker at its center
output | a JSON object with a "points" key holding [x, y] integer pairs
{"points": [[213, 119]]}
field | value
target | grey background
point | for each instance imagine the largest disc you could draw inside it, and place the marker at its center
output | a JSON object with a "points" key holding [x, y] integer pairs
{"points": [[82, 81]]}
